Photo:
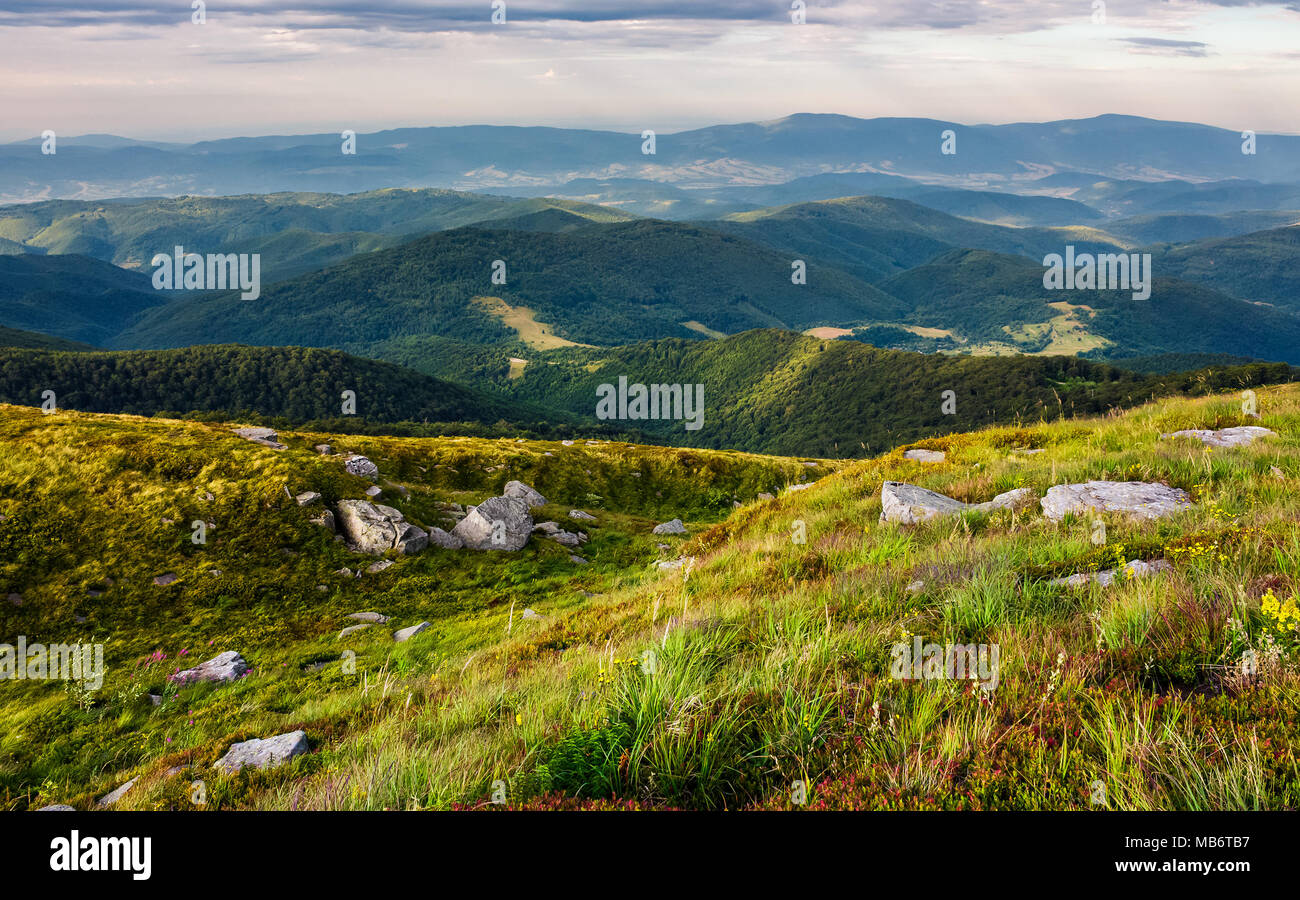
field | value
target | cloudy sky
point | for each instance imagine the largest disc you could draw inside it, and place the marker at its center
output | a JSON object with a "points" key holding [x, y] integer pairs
{"points": [[145, 70]]}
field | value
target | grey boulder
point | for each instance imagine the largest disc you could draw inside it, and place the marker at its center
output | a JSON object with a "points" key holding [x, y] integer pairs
{"points": [[500, 523], [375, 529], [673, 527], [930, 456], [1238, 436], [521, 491], [362, 467], [1139, 499], [405, 634], [908, 504], [263, 753], [221, 668]]}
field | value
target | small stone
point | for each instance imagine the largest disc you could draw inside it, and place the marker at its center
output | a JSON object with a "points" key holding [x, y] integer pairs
{"points": [[800, 487], [307, 498], [581, 515], [325, 520], [57, 807], [406, 634], [574, 558], [674, 563], [373, 618], [164, 579], [530, 614], [376, 567], [324, 449], [674, 526], [1276, 472], [916, 587], [929, 456], [1135, 568], [374, 491], [112, 797], [764, 495], [353, 629]]}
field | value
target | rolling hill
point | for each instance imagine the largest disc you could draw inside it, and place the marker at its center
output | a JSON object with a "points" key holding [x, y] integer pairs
{"points": [[72, 297], [601, 284], [290, 383], [783, 393]]}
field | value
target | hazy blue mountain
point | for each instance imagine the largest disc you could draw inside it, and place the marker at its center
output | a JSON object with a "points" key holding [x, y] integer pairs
{"points": [[485, 157], [73, 297]]}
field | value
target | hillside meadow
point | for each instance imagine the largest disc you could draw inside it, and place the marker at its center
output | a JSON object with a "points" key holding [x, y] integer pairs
{"points": [[753, 676]]}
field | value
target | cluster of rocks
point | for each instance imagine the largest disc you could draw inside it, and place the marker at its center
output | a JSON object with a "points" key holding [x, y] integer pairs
{"points": [[908, 504]]}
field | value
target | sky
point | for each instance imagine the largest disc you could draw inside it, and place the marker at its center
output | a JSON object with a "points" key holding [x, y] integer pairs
{"points": [[146, 70]]}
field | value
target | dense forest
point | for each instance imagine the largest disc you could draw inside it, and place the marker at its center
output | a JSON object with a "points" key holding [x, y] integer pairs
{"points": [[779, 392], [292, 382]]}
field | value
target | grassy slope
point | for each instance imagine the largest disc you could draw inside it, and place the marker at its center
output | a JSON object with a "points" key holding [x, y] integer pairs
{"points": [[34, 340], [772, 657]]}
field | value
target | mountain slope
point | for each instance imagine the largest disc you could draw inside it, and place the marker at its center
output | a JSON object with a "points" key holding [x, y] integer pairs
{"points": [[1262, 267], [288, 382], [72, 297], [876, 237], [778, 392], [981, 294], [601, 284]]}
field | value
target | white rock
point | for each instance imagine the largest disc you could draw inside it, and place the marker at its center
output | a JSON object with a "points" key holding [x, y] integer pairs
{"points": [[908, 504], [113, 796], [221, 668], [930, 456], [58, 807], [581, 515], [672, 527], [405, 634], [1139, 499], [1238, 436], [263, 753], [353, 629]]}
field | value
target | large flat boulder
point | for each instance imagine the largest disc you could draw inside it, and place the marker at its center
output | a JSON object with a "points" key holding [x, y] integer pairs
{"points": [[1237, 436], [1139, 499], [362, 467], [264, 436], [501, 523], [375, 529], [908, 504], [223, 667], [263, 753]]}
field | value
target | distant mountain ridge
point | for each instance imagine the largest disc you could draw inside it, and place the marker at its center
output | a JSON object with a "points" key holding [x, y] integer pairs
{"points": [[485, 157]]}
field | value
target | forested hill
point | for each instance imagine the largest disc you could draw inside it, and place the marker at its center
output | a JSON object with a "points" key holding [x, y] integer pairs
{"points": [[299, 384], [778, 392]]}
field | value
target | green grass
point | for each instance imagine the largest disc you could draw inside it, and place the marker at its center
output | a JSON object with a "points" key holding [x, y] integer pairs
{"points": [[770, 662]]}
